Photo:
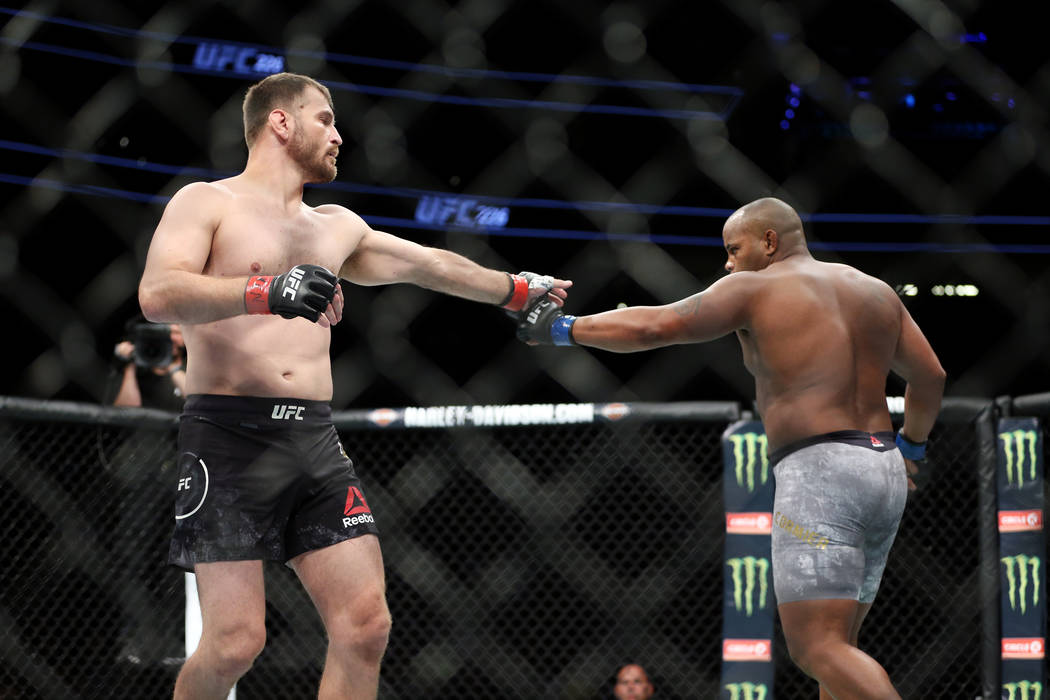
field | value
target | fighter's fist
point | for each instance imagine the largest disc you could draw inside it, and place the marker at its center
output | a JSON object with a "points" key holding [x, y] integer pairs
{"points": [[305, 291], [545, 324]]}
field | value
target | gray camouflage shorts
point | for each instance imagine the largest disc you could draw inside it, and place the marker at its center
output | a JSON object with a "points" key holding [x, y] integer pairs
{"points": [[838, 502]]}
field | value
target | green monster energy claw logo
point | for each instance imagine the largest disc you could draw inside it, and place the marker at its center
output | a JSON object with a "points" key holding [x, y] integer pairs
{"points": [[749, 451], [747, 571], [1019, 449], [1017, 580], [1023, 690], [757, 691]]}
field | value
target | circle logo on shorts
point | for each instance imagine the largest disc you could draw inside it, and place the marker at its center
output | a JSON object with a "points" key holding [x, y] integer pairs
{"points": [[192, 486]]}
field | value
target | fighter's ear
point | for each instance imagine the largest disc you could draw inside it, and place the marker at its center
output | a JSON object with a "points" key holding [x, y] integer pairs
{"points": [[770, 241], [280, 122]]}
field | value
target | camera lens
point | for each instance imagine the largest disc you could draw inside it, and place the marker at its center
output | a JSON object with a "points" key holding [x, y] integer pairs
{"points": [[152, 345]]}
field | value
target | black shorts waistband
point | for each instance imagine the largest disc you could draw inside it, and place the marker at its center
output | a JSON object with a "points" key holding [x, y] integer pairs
{"points": [[261, 410], [882, 441]]}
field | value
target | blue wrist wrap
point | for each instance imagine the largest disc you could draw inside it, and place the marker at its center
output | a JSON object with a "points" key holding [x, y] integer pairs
{"points": [[911, 450], [561, 330]]}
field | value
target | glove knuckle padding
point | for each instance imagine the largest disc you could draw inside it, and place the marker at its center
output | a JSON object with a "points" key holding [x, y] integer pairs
{"points": [[536, 280], [304, 291]]}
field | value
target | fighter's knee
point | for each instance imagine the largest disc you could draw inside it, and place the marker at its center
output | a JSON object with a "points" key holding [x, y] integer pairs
{"points": [[797, 651], [362, 629], [234, 651], [811, 658]]}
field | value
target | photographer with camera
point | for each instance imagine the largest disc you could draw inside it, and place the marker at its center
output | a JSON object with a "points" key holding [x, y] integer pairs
{"points": [[148, 371], [151, 362]]}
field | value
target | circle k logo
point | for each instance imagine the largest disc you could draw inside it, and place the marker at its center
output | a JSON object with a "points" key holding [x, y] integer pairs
{"points": [[1020, 520]]}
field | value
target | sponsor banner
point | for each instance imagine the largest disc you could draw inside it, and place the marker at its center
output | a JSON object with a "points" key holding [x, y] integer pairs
{"points": [[748, 602], [747, 649], [1029, 684], [748, 485], [749, 588], [1022, 585], [510, 415], [1023, 647], [494, 415], [1022, 557], [749, 523], [745, 690], [1020, 520], [383, 417], [614, 411], [1020, 443]]}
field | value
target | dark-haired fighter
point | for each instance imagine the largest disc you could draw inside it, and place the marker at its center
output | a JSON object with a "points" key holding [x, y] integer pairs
{"points": [[820, 340], [246, 268]]}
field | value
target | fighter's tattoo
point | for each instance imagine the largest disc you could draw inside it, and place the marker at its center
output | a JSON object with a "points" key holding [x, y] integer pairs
{"points": [[688, 307]]}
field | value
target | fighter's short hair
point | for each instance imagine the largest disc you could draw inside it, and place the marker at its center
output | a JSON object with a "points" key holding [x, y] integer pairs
{"points": [[273, 91]]}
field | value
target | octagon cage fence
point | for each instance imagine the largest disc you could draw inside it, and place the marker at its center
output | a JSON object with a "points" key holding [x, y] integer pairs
{"points": [[523, 561]]}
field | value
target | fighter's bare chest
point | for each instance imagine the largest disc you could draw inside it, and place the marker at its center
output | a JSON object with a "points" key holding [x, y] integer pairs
{"points": [[258, 244]]}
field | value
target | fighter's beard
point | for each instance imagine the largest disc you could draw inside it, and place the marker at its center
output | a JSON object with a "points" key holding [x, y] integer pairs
{"points": [[315, 170]]}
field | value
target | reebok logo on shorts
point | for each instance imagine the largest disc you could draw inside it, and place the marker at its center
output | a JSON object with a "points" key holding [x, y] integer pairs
{"points": [[875, 442], [356, 509]]}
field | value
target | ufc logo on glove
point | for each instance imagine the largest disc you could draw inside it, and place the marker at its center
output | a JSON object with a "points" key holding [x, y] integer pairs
{"points": [[295, 278]]}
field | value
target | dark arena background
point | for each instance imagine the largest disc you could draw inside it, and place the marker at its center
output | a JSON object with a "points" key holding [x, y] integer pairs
{"points": [[529, 557]]}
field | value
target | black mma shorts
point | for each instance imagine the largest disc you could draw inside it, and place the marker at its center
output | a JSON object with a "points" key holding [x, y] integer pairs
{"points": [[262, 478]]}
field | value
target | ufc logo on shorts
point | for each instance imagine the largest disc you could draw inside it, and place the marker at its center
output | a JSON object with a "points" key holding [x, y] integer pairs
{"points": [[285, 412], [292, 282], [184, 484]]}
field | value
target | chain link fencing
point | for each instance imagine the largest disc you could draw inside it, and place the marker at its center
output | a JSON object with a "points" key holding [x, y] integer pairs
{"points": [[610, 157], [523, 562]]}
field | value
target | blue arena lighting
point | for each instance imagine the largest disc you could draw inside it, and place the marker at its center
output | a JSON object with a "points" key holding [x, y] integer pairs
{"points": [[482, 213], [909, 100], [491, 202], [565, 234], [501, 102], [219, 58], [526, 202], [785, 124]]}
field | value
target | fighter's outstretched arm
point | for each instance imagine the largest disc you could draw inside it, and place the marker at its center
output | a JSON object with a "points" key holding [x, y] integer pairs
{"points": [[382, 258], [174, 289], [721, 309]]}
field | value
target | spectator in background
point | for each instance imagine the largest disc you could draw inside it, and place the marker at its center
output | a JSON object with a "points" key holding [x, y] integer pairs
{"points": [[632, 683], [151, 362]]}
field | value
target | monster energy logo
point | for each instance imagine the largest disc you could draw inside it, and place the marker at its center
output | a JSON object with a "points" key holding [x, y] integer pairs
{"points": [[1023, 690], [749, 451], [747, 571], [1017, 574], [757, 691], [1015, 450]]}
